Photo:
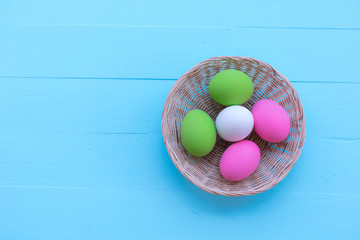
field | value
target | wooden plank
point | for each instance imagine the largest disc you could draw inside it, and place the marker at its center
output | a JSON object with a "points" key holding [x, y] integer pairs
{"points": [[280, 13], [167, 53], [140, 162], [107, 213], [126, 106]]}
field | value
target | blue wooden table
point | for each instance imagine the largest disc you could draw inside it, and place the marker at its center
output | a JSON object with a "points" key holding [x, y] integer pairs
{"points": [[82, 88]]}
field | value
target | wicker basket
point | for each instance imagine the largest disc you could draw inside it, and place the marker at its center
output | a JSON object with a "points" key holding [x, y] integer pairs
{"points": [[190, 91]]}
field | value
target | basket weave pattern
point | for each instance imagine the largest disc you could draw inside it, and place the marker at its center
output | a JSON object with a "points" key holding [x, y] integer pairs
{"points": [[190, 91]]}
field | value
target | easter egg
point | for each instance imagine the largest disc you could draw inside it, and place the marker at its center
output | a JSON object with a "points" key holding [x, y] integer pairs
{"points": [[239, 160], [234, 123], [231, 87], [198, 133], [271, 121]]}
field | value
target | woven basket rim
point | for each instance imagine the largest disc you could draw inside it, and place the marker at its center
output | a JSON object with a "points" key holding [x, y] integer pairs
{"points": [[188, 176]]}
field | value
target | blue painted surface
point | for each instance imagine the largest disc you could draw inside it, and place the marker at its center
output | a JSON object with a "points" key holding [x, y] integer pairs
{"points": [[82, 87]]}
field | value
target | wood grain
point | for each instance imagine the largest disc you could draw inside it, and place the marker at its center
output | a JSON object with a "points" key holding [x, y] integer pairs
{"points": [[144, 52], [82, 88], [85, 158], [245, 13]]}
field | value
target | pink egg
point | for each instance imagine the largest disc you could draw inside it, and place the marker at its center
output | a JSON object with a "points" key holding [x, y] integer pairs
{"points": [[239, 160], [271, 121]]}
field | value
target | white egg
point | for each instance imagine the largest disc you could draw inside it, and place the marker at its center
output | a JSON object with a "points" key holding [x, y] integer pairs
{"points": [[234, 123]]}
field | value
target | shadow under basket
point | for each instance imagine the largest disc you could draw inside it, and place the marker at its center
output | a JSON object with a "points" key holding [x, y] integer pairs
{"points": [[190, 91]]}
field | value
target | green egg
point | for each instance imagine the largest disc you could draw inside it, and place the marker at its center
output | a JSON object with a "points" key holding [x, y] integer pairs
{"points": [[198, 133], [231, 87]]}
